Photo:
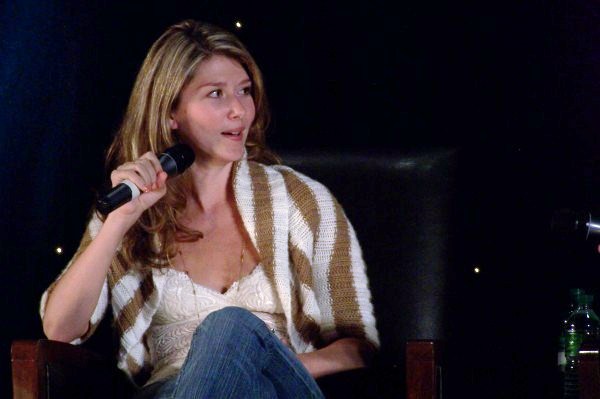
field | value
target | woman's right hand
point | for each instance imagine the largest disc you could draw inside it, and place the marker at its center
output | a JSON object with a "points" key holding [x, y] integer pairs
{"points": [[148, 175]]}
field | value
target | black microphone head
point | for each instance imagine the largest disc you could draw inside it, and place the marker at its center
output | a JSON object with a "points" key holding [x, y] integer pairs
{"points": [[176, 159], [566, 222]]}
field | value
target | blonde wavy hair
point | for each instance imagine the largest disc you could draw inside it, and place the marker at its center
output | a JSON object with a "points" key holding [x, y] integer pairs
{"points": [[168, 67]]}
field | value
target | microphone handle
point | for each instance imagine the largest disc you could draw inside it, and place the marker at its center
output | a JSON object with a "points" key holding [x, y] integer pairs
{"points": [[118, 196]]}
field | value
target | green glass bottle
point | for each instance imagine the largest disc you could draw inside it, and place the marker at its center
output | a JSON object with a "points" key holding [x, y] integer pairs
{"points": [[574, 294], [582, 325]]}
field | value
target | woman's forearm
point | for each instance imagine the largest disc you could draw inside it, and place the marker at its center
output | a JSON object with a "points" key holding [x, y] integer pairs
{"points": [[72, 301], [75, 296], [341, 355]]}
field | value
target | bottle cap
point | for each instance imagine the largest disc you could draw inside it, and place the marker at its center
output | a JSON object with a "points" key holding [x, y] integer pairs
{"points": [[586, 300], [577, 295], [576, 292]]}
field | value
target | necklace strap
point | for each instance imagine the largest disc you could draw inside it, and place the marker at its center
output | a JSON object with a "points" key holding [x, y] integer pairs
{"points": [[187, 273]]}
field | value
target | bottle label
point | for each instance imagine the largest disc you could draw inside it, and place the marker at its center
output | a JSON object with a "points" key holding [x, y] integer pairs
{"points": [[574, 340]]}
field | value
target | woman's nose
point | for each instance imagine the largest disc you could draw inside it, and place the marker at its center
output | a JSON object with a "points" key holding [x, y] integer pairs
{"points": [[236, 108]]}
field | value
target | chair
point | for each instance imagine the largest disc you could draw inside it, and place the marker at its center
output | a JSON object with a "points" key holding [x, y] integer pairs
{"points": [[589, 371], [402, 207]]}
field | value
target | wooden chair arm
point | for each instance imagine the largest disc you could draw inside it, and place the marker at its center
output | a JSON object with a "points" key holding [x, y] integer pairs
{"points": [[40, 367], [423, 369], [423, 376], [34, 365], [589, 371]]}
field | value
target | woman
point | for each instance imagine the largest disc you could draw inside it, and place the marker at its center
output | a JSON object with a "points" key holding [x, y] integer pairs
{"points": [[238, 278]]}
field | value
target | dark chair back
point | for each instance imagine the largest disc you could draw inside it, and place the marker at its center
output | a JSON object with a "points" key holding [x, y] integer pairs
{"points": [[402, 207]]}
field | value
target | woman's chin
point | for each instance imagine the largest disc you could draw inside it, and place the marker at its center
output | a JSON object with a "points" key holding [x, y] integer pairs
{"points": [[237, 154]]}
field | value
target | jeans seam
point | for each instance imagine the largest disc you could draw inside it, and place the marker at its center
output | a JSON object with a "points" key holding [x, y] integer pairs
{"points": [[270, 361], [188, 356], [270, 349]]}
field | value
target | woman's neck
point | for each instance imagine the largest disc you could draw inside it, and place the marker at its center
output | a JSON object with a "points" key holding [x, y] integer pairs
{"points": [[210, 185]]}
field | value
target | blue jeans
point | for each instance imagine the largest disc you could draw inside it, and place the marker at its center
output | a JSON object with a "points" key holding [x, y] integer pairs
{"points": [[234, 355]]}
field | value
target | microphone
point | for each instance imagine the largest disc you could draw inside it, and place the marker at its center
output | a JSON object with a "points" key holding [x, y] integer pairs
{"points": [[570, 223], [174, 161]]}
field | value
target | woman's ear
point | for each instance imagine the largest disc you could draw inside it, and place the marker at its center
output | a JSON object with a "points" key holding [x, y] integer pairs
{"points": [[173, 124]]}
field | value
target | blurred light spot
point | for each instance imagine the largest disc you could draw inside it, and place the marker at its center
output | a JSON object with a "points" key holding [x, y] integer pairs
{"points": [[238, 24], [476, 270], [58, 250]]}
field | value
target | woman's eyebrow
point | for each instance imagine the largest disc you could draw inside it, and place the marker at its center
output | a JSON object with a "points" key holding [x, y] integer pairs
{"points": [[221, 84], [217, 84]]}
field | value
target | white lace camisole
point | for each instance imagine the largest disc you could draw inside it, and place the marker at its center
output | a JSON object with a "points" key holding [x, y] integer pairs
{"points": [[181, 311]]}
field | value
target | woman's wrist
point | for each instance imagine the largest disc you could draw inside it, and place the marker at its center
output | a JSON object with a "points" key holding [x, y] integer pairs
{"points": [[118, 225]]}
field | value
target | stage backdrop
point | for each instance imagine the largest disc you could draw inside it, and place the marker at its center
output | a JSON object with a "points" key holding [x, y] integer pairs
{"points": [[514, 86]]}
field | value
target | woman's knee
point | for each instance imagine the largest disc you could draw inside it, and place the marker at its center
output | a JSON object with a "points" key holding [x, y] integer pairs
{"points": [[229, 313], [231, 319], [233, 332]]}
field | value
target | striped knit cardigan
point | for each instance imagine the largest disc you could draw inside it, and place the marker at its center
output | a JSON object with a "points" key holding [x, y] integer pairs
{"points": [[307, 247]]}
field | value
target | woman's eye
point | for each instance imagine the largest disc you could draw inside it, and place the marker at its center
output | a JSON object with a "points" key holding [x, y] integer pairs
{"points": [[215, 93], [246, 91]]}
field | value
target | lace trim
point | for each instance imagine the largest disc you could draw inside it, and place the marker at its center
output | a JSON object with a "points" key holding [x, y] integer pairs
{"points": [[180, 312]]}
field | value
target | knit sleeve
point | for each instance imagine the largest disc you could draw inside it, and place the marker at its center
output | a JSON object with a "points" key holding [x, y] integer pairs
{"points": [[322, 232], [345, 283], [90, 233]]}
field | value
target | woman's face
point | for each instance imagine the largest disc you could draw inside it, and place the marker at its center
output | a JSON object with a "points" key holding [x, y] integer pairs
{"points": [[215, 111]]}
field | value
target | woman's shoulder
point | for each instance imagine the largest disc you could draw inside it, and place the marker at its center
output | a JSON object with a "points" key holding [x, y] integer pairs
{"points": [[299, 184]]}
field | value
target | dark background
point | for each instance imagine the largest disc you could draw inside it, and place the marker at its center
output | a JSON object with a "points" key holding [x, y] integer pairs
{"points": [[514, 86]]}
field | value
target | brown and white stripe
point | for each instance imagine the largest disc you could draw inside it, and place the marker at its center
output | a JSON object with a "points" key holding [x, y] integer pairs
{"points": [[337, 267], [308, 250]]}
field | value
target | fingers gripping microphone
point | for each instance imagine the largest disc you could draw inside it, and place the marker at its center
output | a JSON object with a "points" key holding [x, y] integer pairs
{"points": [[173, 161]]}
